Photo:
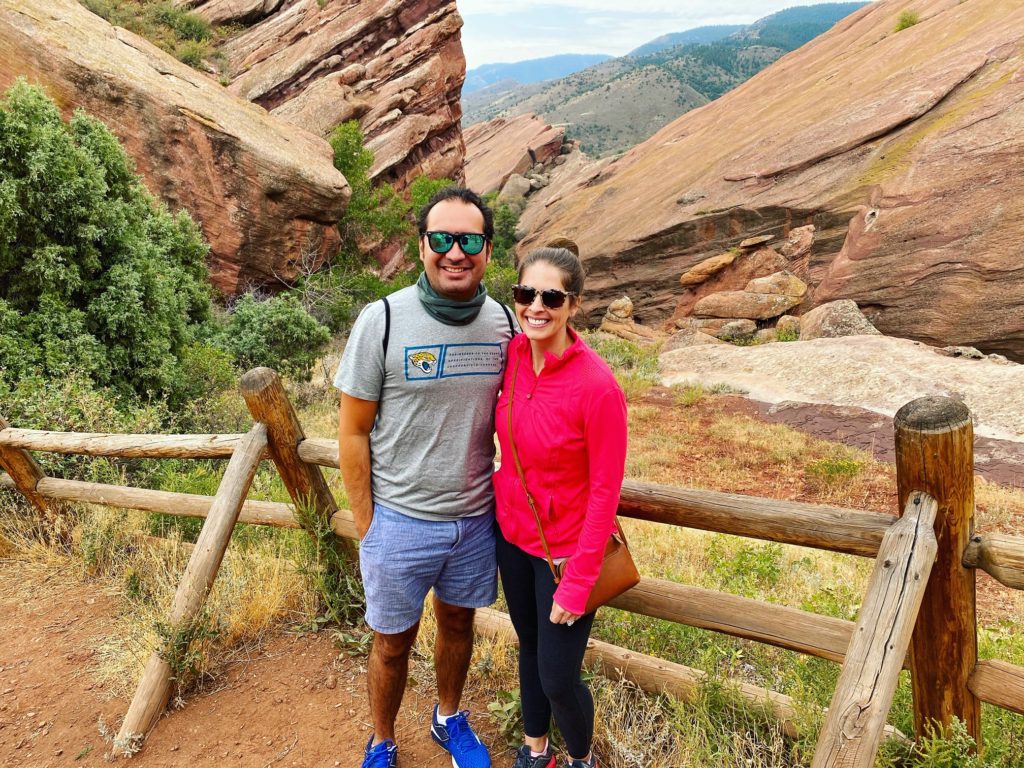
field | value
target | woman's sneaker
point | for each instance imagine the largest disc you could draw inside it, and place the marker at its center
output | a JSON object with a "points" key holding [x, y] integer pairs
{"points": [[457, 737], [383, 755], [525, 758]]}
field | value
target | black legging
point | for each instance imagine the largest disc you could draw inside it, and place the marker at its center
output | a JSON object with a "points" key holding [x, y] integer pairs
{"points": [[550, 655]]}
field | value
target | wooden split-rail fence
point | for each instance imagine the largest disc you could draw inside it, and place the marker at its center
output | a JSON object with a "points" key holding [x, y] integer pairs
{"points": [[918, 612]]}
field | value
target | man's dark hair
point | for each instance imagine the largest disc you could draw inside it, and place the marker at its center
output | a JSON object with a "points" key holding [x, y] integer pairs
{"points": [[467, 196]]}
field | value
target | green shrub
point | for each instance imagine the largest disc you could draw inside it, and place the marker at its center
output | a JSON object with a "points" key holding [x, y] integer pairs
{"points": [[277, 333], [186, 25], [833, 470], [907, 19], [787, 334], [499, 279], [179, 32], [95, 276], [192, 53], [371, 211]]}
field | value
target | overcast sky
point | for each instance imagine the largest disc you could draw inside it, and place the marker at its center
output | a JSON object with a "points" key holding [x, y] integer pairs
{"points": [[514, 30]]}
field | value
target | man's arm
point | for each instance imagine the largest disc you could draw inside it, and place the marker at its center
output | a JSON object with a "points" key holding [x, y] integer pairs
{"points": [[355, 420]]}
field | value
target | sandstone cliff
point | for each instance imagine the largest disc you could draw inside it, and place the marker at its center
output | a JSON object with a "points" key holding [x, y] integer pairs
{"points": [[900, 147], [264, 192], [396, 66]]}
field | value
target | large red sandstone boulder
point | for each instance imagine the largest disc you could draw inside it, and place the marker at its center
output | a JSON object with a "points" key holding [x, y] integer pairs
{"points": [[266, 195], [301, 64], [897, 146], [699, 273], [835, 319], [506, 145], [744, 304]]}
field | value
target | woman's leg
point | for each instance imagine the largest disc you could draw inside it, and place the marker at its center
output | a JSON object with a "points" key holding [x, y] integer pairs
{"points": [[560, 650], [517, 581]]}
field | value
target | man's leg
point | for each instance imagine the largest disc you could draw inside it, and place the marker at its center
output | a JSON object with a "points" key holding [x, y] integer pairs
{"points": [[453, 648], [387, 673]]}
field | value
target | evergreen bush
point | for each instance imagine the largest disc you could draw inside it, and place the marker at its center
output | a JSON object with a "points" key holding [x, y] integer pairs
{"points": [[277, 333], [95, 276]]}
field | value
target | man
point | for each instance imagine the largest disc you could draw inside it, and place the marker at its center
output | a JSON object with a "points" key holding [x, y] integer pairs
{"points": [[419, 380]]}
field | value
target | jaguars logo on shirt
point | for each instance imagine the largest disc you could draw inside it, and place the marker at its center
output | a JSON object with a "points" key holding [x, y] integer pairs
{"points": [[425, 361]]}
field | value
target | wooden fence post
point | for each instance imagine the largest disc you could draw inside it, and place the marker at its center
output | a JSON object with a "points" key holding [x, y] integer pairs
{"points": [[154, 689], [268, 403], [935, 454], [26, 474], [856, 718]]}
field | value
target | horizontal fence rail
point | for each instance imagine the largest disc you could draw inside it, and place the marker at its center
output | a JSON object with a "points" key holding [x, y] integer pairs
{"points": [[1000, 683], [124, 446], [836, 529]]}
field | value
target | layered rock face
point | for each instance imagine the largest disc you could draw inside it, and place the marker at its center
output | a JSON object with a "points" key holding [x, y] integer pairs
{"points": [[396, 66], [899, 147], [499, 148], [265, 194]]}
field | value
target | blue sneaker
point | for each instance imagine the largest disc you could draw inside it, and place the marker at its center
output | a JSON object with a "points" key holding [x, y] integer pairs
{"points": [[457, 737], [384, 755]]}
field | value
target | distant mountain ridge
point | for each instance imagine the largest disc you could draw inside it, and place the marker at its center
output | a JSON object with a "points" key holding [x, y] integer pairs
{"points": [[709, 34], [618, 103], [530, 71]]}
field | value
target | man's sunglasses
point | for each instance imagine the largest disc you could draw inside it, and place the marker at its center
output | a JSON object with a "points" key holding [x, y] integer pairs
{"points": [[552, 298], [471, 243]]}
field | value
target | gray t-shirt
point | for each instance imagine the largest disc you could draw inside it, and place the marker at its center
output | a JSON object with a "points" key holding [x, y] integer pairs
{"points": [[432, 445]]}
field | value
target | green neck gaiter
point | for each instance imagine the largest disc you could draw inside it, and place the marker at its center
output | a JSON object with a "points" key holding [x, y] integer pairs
{"points": [[448, 311]]}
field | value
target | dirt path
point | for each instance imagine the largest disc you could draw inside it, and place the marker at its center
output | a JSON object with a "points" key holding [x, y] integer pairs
{"points": [[295, 703]]}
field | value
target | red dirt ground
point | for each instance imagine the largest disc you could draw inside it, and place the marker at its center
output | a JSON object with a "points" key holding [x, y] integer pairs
{"points": [[295, 703]]}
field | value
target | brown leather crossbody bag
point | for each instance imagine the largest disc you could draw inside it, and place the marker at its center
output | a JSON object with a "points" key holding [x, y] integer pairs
{"points": [[618, 571]]}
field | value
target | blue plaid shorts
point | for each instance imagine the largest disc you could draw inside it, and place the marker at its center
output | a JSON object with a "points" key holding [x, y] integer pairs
{"points": [[402, 557]]}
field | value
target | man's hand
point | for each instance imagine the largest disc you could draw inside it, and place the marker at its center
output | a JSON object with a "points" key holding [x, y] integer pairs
{"points": [[355, 421], [561, 616]]}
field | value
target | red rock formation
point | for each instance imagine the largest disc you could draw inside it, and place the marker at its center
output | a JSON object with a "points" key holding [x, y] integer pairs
{"points": [[397, 67], [498, 148], [265, 193], [900, 147]]}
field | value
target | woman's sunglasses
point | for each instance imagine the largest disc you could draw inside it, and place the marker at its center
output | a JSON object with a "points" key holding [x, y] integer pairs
{"points": [[552, 298], [471, 243]]}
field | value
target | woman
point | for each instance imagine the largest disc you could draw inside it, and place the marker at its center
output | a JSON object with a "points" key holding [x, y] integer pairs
{"points": [[569, 428]]}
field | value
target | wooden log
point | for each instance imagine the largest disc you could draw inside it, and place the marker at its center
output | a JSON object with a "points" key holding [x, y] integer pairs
{"points": [[268, 403], [808, 525], [651, 674], [790, 628], [186, 504], [154, 689], [25, 473], [125, 446], [165, 502], [1001, 557], [999, 683], [934, 454], [855, 723], [836, 529]]}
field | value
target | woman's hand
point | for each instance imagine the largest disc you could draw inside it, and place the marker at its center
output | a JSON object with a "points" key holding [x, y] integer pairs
{"points": [[561, 616]]}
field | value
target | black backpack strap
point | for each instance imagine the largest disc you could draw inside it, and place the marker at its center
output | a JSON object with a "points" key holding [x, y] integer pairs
{"points": [[508, 316], [387, 324]]}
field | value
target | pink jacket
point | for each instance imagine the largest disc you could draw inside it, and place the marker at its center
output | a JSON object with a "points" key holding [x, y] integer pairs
{"points": [[570, 430]]}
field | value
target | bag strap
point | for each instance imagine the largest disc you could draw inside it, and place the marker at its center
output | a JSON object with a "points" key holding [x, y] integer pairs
{"points": [[508, 316], [522, 475], [522, 479], [387, 324]]}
